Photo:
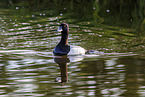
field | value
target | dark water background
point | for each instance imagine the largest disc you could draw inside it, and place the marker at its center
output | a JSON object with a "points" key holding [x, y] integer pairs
{"points": [[114, 29]]}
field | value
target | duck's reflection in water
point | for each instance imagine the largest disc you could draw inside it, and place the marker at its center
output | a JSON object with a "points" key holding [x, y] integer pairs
{"points": [[62, 62]]}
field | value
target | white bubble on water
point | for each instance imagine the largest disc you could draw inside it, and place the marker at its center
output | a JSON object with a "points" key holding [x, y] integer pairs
{"points": [[17, 7], [108, 10]]}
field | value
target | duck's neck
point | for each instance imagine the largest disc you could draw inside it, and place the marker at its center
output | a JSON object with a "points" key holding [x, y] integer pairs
{"points": [[64, 38]]}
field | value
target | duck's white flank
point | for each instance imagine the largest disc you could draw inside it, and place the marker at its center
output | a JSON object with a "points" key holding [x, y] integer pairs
{"points": [[76, 50]]}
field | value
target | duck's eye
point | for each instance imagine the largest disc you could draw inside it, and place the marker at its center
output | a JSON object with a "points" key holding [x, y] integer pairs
{"points": [[64, 25]]}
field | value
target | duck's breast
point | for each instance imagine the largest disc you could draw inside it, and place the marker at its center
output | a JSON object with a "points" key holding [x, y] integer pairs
{"points": [[76, 50]]}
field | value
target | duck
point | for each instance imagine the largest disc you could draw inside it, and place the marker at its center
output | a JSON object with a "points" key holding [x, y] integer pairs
{"points": [[63, 48]]}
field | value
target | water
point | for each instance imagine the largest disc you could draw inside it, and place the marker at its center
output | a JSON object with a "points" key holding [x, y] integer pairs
{"points": [[28, 36]]}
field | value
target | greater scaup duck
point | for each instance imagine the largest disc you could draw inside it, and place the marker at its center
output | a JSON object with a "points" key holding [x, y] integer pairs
{"points": [[63, 48]]}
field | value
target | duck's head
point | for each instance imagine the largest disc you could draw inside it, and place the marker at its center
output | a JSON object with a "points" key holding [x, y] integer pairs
{"points": [[63, 28]]}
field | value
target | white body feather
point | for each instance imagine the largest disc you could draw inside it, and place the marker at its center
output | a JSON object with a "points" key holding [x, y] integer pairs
{"points": [[76, 50]]}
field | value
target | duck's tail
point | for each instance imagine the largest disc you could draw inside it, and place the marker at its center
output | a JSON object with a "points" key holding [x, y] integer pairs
{"points": [[89, 52]]}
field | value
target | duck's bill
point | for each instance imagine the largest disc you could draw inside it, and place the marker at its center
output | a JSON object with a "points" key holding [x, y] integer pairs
{"points": [[59, 29]]}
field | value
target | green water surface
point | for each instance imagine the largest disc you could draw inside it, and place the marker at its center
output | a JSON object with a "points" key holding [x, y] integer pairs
{"points": [[113, 29]]}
